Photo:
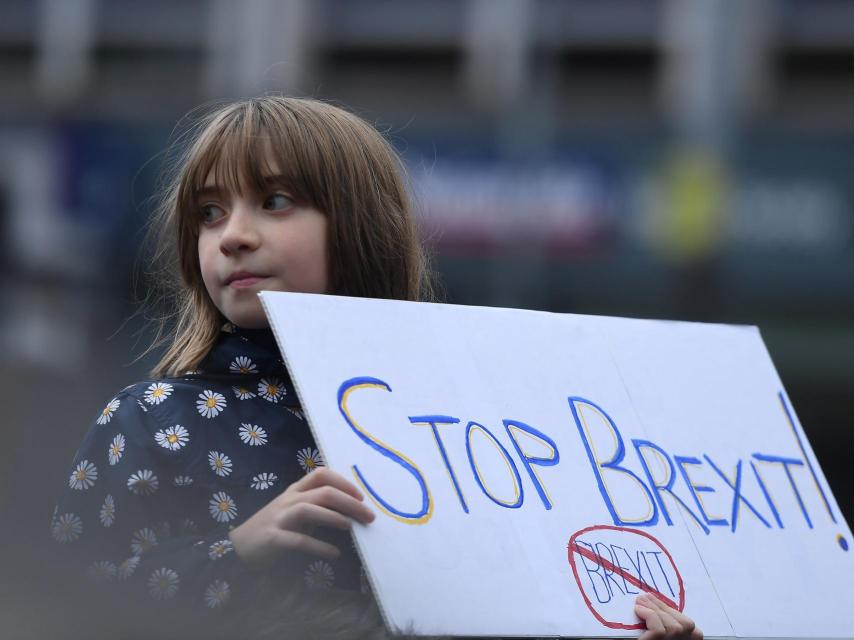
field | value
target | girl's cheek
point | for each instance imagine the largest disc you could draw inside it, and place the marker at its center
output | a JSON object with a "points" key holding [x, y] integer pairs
{"points": [[206, 267]]}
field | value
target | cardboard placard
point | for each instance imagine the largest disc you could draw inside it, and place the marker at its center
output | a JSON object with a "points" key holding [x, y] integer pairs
{"points": [[533, 472]]}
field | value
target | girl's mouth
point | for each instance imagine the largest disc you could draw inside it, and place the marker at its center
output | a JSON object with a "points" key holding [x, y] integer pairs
{"points": [[245, 281]]}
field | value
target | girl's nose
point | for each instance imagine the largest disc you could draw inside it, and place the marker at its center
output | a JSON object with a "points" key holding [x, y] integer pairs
{"points": [[239, 233]]}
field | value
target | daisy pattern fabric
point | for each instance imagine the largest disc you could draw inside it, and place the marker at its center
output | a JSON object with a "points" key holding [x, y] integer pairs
{"points": [[170, 466]]}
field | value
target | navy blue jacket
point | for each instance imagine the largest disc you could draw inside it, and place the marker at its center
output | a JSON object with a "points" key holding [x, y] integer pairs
{"points": [[171, 465]]}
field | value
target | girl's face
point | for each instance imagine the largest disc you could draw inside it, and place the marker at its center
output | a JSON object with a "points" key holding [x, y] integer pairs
{"points": [[252, 242]]}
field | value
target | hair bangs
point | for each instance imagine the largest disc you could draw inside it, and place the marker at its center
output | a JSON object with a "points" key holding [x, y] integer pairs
{"points": [[238, 152]]}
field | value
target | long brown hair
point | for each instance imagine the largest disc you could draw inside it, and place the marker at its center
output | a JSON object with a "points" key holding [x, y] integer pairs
{"points": [[332, 160]]}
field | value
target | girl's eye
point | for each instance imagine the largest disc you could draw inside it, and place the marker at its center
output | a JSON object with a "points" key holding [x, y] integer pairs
{"points": [[278, 202], [211, 213]]}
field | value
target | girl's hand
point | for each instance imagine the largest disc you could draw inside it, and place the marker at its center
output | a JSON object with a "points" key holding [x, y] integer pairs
{"points": [[664, 622], [286, 523]]}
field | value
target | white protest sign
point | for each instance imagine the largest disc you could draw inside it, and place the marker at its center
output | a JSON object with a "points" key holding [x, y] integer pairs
{"points": [[533, 472]]}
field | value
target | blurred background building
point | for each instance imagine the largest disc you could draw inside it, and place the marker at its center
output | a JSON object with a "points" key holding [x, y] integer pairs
{"points": [[687, 159]]}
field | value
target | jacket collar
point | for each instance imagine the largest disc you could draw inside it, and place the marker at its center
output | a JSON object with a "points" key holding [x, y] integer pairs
{"points": [[239, 351]]}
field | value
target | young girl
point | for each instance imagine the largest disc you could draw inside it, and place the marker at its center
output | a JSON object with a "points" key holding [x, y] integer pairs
{"points": [[197, 494]]}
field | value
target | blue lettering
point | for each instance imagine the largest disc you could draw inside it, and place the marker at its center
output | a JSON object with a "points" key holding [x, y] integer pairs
{"points": [[767, 495], [426, 511], [786, 462], [594, 571], [616, 557], [517, 479], [665, 485], [433, 421], [527, 460], [806, 457], [681, 461], [612, 464], [737, 498], [663, 572], [609, 574]]}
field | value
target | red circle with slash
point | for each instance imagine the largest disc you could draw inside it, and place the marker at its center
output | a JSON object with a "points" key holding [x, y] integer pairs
{"points": [[573, 549]]}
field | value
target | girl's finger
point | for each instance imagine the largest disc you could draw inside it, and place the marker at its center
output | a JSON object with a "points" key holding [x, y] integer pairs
{"points": [[684, 621], [672, 628], [686, 624], [296, 541], [335, 499], [653, 602], [654, 627], [324, 476], [305, 515]]}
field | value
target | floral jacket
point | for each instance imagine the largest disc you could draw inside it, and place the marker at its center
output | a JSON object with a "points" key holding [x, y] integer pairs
{"points": [[170, 466]]}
